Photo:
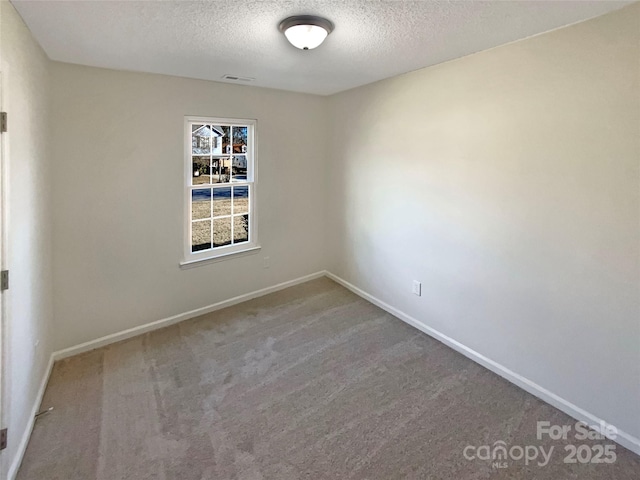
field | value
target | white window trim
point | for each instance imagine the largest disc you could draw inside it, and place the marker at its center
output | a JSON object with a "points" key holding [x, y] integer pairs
{"points": [[190, 258]]}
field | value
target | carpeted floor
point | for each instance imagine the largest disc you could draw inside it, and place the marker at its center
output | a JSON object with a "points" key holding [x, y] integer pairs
{"points": [[308, 383]]}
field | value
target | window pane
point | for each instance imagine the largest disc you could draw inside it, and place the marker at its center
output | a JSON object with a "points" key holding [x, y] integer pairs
{"points": [[200, 203], [201, 139], [221, 231], [200, 235], [200, 173], [222, 169], [217, 135], [221, 201], [239, 168], [218, 169], [239, 139], [226, 135], [240, 199], [240, 228]]}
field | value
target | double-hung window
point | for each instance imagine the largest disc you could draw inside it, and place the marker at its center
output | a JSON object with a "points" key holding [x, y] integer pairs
{"points": [[220, 190]]}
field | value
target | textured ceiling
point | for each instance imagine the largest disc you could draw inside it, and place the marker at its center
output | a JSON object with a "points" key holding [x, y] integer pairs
{"points": [[372, 39]]}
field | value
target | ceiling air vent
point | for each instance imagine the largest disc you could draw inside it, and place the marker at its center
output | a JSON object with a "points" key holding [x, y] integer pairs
{"points": [[236, 78]]}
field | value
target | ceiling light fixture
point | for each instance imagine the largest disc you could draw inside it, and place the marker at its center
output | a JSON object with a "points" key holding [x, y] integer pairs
{"points": [[306, 31]]}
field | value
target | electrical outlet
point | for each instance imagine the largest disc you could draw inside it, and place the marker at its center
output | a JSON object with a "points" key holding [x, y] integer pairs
{"points": [[417, 288], [265, 262]]}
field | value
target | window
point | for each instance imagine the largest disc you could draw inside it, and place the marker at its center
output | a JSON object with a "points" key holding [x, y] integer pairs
{"points": [[220, 187]]}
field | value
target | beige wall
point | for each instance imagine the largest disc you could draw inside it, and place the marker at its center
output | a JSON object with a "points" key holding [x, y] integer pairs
{"points": [[25, 88], [507, 182], [118, 196]]}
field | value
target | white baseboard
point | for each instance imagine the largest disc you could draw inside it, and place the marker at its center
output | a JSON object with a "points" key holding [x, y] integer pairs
{"points": [[165, 322], [24, 441], [626, 440]]}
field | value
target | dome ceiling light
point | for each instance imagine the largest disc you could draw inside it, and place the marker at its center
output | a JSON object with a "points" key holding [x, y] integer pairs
{"points": [[306, 31]]}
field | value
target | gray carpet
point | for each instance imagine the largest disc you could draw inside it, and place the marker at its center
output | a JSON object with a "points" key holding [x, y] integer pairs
{"points": [[308, 383]]}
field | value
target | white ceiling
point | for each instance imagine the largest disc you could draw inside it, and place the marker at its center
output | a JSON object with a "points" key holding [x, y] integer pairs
{"points": [[372, 39]]}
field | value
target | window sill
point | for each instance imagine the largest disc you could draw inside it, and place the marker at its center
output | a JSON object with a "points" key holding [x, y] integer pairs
{"points": [[219, 257]]}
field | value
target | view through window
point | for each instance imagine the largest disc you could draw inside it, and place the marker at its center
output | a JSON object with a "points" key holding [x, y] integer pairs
{"points": [[221, 185]]}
